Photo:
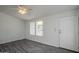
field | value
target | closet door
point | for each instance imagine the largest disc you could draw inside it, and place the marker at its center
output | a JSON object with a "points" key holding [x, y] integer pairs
{"points": [[68, 32]]}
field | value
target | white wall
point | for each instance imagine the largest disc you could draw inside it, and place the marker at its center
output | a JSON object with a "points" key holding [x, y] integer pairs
{"points": [[51, 27], [11, 29]]}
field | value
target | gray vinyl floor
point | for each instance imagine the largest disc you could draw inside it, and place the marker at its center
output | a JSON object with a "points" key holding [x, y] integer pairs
{"points": [[28, 46]]}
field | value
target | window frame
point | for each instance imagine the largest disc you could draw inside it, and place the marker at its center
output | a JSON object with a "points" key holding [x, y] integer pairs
{"points": [[37, 26]]}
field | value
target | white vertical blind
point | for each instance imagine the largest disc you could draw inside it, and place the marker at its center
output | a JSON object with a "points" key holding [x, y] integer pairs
{"points": [[32, 28], [36, 28], [39, 28]]}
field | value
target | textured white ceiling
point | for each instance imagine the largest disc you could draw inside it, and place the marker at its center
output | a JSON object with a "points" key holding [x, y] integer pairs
{"points": [[37, 10]]}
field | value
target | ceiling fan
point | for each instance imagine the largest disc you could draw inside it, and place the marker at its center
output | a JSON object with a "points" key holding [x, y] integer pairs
{"points": [[22, 9]]}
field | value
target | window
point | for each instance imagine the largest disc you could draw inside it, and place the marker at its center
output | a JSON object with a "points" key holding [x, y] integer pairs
{"points": [[36, 28], [32, 28], [39, 28]]}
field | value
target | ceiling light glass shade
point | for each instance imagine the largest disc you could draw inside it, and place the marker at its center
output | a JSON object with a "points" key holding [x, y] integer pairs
{"points": [[22, 10]]}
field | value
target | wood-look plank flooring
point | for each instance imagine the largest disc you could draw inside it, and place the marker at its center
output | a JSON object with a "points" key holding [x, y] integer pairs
{"points": [[28, 46]]}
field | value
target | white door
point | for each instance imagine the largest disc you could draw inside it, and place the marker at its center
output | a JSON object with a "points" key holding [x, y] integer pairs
{"points": [[68, 32]]}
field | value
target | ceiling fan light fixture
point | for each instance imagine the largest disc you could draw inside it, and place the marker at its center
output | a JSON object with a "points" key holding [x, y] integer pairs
{"points": [[22, 10]]}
